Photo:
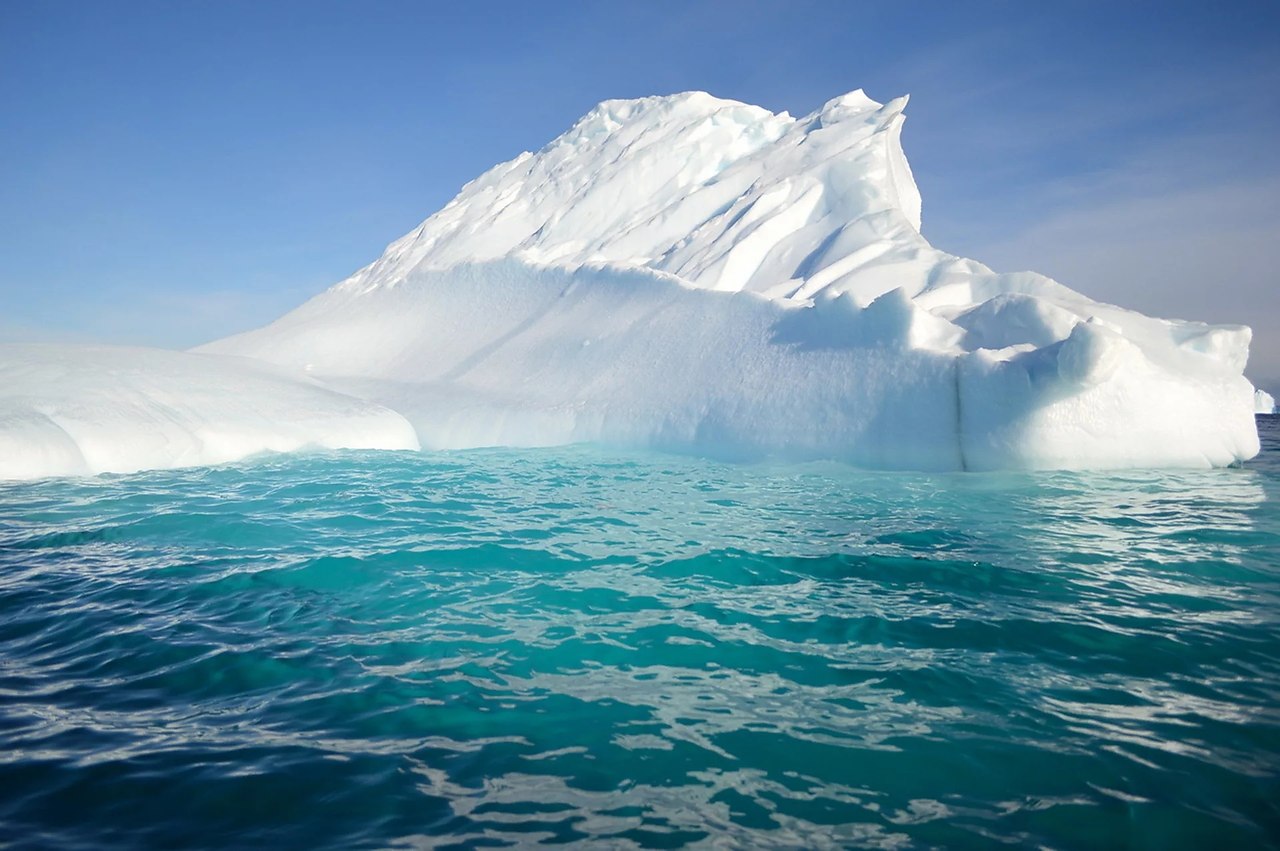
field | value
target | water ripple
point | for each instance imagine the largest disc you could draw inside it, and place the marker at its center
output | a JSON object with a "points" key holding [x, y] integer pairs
{"points": [[497, 648]]}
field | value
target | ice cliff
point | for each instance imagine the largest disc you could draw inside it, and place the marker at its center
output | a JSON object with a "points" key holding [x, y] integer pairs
{"points": [[698, 274]]}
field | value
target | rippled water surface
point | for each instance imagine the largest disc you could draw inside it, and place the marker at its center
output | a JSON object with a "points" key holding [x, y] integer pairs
{"points": [[500, 648]]}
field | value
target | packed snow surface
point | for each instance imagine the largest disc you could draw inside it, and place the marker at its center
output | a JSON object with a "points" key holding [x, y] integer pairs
{"points": [[701, 275], [1263, 402], [78, 410]]}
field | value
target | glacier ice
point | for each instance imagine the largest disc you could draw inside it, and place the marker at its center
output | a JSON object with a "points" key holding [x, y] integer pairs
{"points": [[698, 274], [1263, 402]]}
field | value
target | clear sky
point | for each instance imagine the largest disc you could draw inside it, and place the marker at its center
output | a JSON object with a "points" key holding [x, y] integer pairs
{"points": [[171, 172]]}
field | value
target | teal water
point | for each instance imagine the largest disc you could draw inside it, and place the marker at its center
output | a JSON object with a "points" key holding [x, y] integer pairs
{"points": [[496, 648]]}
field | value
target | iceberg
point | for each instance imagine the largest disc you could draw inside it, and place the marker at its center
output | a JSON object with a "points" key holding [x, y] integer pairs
{"points": [[701, 275], [82, 410], [1263, 402]]}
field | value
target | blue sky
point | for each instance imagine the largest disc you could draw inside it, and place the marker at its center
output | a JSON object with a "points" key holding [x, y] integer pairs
{"points": [[177, 171]]}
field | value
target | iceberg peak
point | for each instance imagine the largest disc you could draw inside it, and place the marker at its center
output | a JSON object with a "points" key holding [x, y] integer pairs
{"points": [[854, 103], [722, 194]]}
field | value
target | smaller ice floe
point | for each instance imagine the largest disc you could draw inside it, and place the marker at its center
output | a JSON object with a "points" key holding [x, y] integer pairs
{"points": [[83, 410], [1263, 402]]}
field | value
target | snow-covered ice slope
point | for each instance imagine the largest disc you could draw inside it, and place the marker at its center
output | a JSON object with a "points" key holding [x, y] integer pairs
{"points": [[77, 410], [695, 273]]}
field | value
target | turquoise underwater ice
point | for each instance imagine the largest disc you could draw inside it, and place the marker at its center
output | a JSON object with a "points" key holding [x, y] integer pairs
{"points": [[498, 647]]}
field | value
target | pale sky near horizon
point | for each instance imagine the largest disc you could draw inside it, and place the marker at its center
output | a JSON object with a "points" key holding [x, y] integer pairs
{"points": [[175, 172]]}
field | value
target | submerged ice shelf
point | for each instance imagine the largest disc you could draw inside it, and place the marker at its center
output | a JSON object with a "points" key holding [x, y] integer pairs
{"points": [[702, 275]]}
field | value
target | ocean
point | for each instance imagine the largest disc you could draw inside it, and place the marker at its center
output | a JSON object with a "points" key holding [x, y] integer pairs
{"points": [[619, 649]]}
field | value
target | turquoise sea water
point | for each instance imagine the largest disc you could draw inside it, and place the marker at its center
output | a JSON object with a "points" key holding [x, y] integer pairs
{"points": [[494, 648]]}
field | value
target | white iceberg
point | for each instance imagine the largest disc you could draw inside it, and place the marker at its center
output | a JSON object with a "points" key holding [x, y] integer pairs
{"points": [[697, 274], [1263, 402]]}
